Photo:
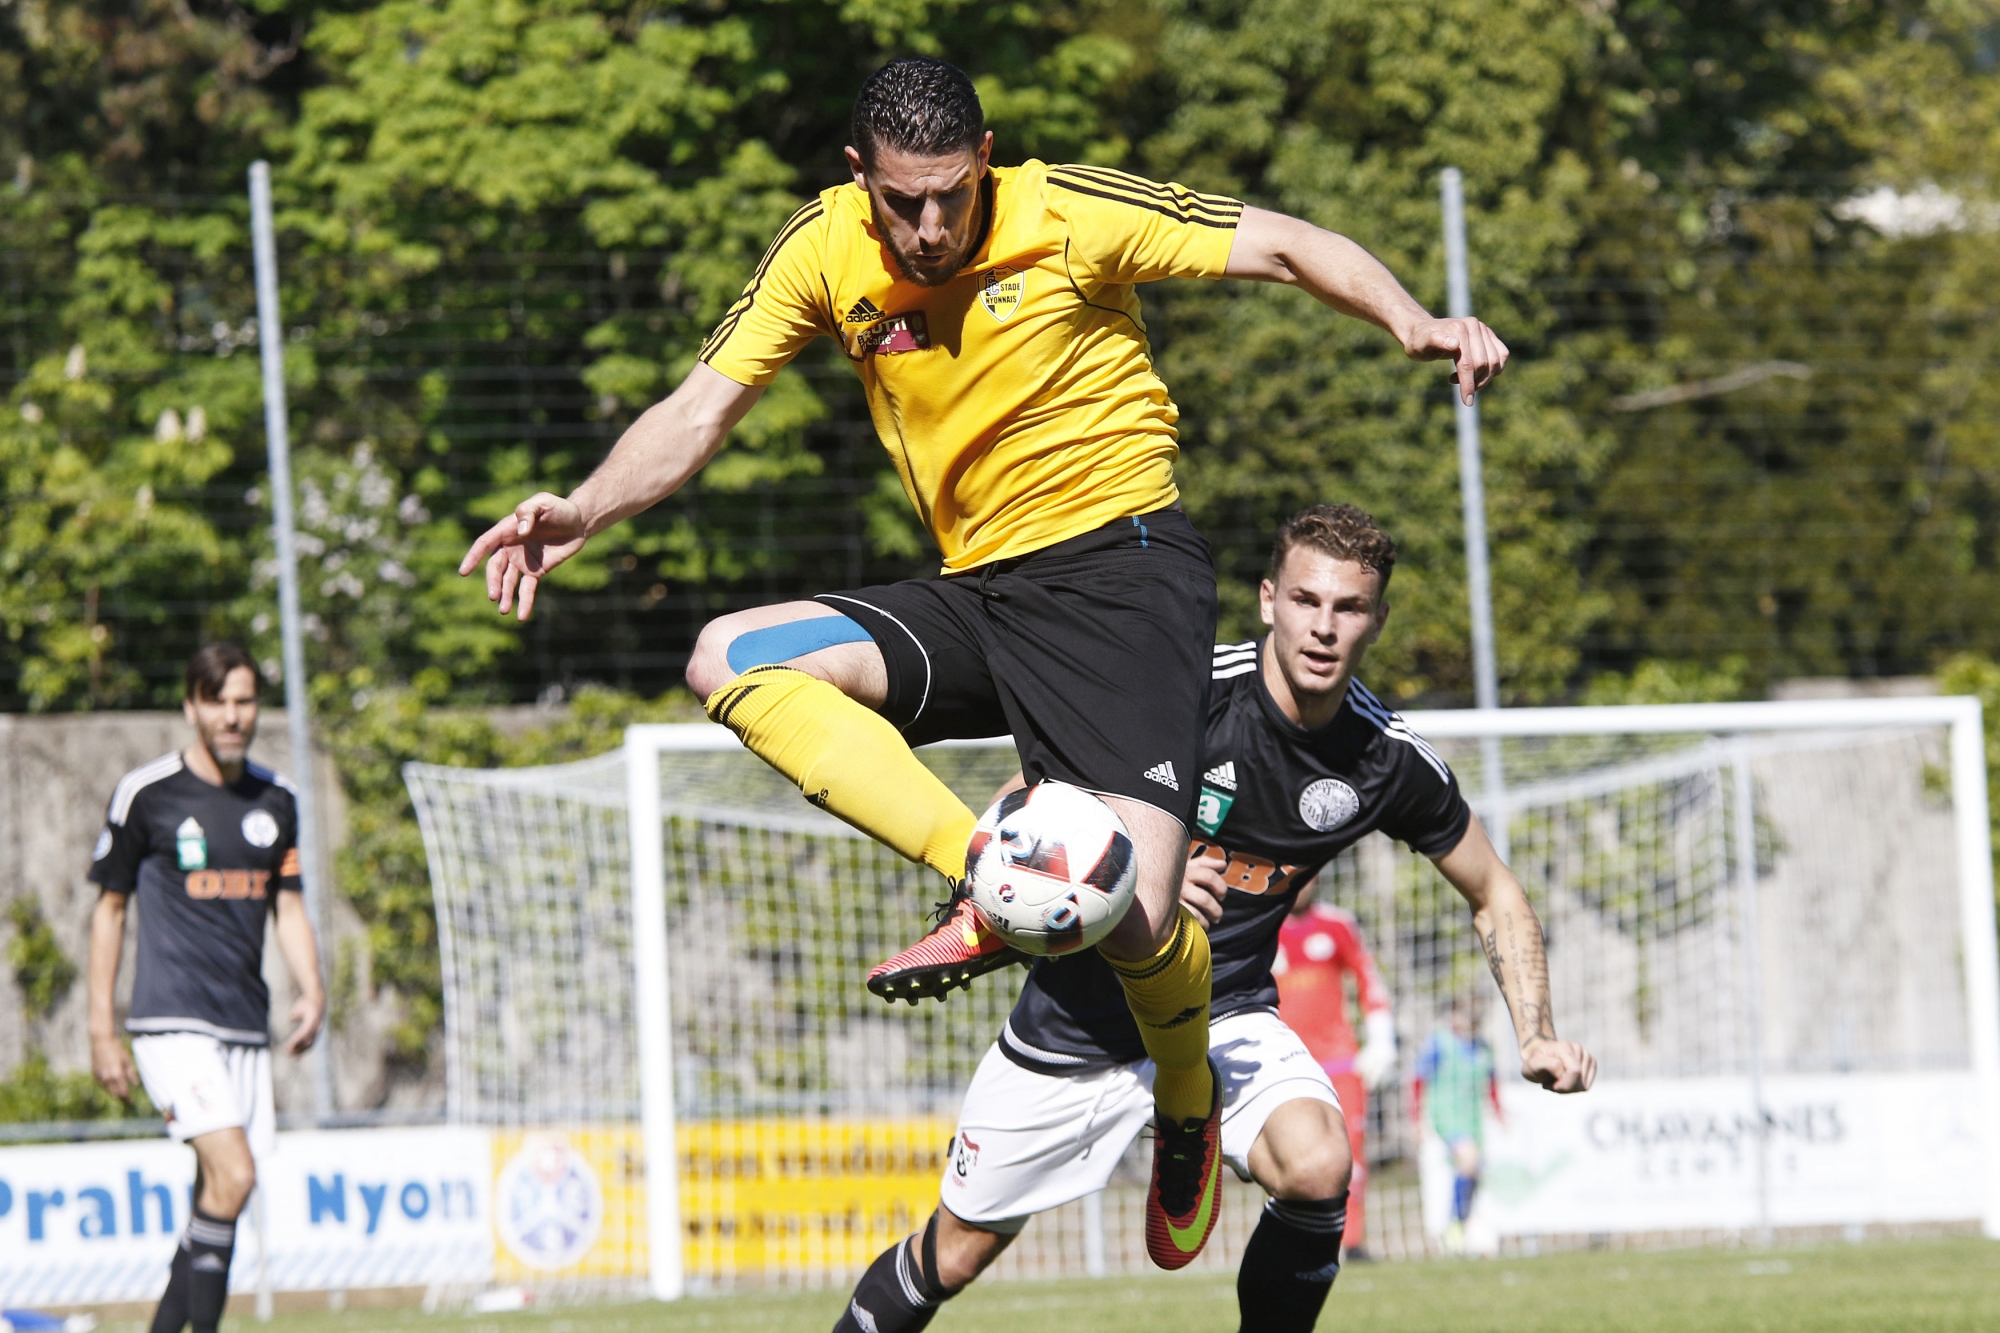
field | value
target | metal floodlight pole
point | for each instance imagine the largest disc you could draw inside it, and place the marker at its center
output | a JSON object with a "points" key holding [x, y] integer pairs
{"points": [[270, 341], [1472, 500]]}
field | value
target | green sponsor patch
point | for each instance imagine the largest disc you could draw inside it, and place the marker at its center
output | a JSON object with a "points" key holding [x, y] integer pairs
{"points": [[1212, 809]]}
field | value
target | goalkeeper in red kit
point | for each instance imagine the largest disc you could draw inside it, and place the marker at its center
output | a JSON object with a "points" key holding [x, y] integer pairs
{"points": [[1319, 948]]}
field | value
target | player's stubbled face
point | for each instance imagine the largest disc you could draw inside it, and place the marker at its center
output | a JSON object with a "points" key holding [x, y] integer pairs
{"points": [[227, 723], [927, 209], [1323, 614]]}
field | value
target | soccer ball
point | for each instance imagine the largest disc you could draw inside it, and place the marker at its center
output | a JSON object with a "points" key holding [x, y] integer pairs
{"points": [[1051, 868]]}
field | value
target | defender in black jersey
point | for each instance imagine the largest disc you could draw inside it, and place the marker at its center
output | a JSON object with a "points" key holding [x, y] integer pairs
{"points": [[208, 844], [1302, 762]]}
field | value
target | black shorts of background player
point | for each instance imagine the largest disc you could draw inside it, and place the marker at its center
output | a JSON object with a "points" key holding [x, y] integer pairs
{"points": [[208, 843], [1303, 762]]}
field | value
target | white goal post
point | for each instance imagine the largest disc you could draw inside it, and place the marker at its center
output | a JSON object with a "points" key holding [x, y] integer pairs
{"points": [[1773, 922]]}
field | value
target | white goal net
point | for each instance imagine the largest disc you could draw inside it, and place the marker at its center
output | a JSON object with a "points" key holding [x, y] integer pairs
{"points": [[1772, 923]]}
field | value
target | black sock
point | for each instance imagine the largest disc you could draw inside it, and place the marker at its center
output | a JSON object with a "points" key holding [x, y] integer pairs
{"points": [[1290, 1263], [172, 1316], [209, 1242], [894, 1296]]}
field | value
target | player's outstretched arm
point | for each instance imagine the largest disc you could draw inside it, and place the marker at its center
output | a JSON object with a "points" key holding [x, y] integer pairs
{"points": [[1511, 935], [110, 1062], [301, 950], [655, 457], [1271, 247]]}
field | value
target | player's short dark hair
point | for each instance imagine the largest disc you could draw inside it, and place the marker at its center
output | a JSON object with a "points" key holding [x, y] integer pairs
{"points": [[1341, 531], [208, 670], [917, 105]]}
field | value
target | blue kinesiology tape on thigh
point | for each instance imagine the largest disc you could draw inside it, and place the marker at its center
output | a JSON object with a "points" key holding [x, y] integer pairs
{"points": [[781, 643]]}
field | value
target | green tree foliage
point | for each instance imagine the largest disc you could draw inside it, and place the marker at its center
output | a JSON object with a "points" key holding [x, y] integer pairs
{"points": [[34, 1094], [124, 296], [504, 230], [42, 971], [1344, 114]]}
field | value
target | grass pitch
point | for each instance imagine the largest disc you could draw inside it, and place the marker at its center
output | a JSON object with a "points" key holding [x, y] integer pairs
{"points": [[1949, 1286]]}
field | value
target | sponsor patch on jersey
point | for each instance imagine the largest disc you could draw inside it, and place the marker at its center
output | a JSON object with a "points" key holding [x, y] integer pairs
{"points": [[103, 848], [1327, 804], [903, 333], [1000, 292], [191, 844], [1246, 872], [1212, 809], [260, 828], [228, 883]]}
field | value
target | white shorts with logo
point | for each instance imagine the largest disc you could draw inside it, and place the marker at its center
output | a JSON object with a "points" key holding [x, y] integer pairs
{"points": [[201, 1085], [1028, 1142]]}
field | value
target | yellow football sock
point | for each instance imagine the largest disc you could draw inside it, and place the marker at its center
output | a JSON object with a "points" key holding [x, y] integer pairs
{"points": [[1169, 993], [846, 758]]}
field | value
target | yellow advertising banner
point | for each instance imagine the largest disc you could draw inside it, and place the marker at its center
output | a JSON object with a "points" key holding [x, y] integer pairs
{"points": [[569, 1203], [758, 1197], [773, 1196]]}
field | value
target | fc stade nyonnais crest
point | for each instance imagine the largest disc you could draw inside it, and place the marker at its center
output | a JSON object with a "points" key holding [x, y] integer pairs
{"points": [[1000, 292], [1327, 804], [549, 1203]]}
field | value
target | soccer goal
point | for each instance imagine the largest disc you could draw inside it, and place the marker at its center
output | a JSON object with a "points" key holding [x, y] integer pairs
{"points": [[1773, 923]]}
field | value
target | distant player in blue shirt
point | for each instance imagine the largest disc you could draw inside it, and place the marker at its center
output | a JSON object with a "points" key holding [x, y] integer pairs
{"points": [[1454, 1084]]}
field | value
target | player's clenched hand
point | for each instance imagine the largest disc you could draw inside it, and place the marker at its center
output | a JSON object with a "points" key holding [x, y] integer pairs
{"points": [[1202, 888], [111, 1063], [307, 1014], [1559, 1066], [1476, 351], [543, 531]]}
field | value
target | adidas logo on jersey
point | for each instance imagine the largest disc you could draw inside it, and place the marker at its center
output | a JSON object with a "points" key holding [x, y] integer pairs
{"points": [[1164, 775], [865, 311], [1222, 775]]}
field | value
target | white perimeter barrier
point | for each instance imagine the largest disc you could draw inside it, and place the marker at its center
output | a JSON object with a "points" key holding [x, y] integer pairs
{"points": [[1697, 1154], [91, 1223]]}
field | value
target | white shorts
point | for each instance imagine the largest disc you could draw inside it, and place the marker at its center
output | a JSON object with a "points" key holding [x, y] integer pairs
{"points": [[1028, 1142], [202, 1085]]}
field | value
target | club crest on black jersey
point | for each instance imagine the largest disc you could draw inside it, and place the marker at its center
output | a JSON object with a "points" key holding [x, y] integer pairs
{"points": [[1277, 802]]}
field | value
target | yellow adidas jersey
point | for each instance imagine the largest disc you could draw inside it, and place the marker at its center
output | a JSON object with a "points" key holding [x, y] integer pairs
{"points": [[1018, 400]]}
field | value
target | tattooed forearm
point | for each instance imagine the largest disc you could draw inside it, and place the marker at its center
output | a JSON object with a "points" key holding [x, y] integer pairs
{"points": [[1504, 923], [1490, 942], [1520, 965]]}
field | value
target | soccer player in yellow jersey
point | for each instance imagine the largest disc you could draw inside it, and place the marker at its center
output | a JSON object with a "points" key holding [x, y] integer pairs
{"points": [[993, 317]]}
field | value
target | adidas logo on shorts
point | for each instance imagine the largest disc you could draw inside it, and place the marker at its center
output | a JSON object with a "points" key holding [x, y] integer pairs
{"points": [[1164, 775], [1222, 775]]}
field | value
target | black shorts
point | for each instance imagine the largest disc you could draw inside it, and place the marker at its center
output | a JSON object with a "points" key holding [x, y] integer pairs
{"points": [[1094, 653]]}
